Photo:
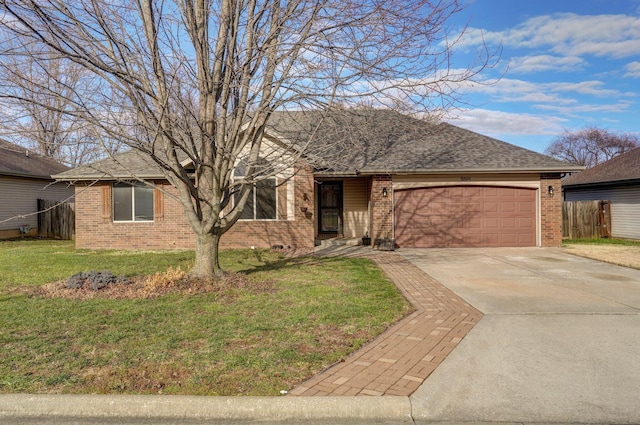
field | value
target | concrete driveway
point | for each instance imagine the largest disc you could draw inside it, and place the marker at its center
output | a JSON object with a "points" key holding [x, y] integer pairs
{"points": [[559, 342]]}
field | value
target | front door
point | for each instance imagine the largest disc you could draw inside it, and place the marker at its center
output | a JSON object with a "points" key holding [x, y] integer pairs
{"points": [[330, 207]]}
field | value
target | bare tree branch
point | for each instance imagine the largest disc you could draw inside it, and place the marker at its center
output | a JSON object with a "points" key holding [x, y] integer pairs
{"points": [[591, 145], [201, 80]]}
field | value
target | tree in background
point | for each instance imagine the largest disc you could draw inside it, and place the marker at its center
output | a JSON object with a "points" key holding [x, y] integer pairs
{"points": [[193, 83], [591, 145], [38, 105]]}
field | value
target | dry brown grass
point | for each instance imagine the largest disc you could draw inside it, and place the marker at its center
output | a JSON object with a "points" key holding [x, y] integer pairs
{"points": [[172, 281], [623, 255]]}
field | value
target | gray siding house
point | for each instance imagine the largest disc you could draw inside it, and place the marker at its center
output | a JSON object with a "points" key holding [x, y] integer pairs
{"points": [[24, 178], [618, 181]]}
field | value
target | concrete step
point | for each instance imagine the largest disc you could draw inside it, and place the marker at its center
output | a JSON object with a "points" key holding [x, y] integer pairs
{"points": [[335, 242]]}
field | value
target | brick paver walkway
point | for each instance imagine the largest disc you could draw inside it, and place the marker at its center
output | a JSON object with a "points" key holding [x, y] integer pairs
{"points": [[398, 361]]}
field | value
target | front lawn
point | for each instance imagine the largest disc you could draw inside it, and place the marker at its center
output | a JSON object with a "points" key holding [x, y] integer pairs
{"points": [[279, 323], [601, 241], [622, 252]]}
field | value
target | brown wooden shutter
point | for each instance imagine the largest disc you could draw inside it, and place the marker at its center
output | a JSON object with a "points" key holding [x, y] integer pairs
{"points": [[106, 203], [158, 204]]}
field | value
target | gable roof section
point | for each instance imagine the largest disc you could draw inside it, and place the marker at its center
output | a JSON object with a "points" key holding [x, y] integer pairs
{"points": [[19, 162], [624, 168], [121, 166], [367, 141]]}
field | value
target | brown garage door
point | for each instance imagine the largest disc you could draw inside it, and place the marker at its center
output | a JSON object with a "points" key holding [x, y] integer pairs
{"points": [[465, 216]]}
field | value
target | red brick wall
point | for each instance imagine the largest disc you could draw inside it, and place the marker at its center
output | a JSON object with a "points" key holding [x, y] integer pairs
{"points": [[95, 228], [381, 207], [551, 211]]}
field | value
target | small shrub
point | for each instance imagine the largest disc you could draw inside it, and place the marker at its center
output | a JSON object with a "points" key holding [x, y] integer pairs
{"points": [[170, 279], [95, 280]]}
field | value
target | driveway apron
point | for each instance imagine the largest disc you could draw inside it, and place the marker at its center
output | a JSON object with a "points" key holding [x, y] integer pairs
{"points": [[559, 341]]}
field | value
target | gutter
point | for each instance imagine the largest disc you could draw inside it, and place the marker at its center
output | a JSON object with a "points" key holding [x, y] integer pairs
{"points": [[106, 177], [28, 176], [610, 183], [367, 172]]}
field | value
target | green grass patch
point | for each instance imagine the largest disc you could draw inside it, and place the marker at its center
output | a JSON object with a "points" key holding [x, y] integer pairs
{"points": [[601, 241], [292, 318]]}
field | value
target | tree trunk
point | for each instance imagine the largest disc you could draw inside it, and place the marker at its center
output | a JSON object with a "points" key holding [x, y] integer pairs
{"points": [[207, 264]]}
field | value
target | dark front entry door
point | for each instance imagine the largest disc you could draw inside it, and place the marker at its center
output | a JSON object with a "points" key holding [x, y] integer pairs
{"points": [[330, 207]]}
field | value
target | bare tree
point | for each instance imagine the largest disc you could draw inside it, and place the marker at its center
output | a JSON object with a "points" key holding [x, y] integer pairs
{"points": [[40, 91], [591, 145], [199, 80]]}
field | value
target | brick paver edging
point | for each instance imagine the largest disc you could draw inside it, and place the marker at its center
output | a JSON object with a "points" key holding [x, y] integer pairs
{"points": [[399, 360]]}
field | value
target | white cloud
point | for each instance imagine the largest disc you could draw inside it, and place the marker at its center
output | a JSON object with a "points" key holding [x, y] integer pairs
{"points": [[633, 70], [498, 124], [515, 90], [592, 88], [600, 108], [568, 34], [539, 63], [563, 99]]}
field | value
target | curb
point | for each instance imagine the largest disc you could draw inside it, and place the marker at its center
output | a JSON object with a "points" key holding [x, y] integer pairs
{"points": [[317, 410]]}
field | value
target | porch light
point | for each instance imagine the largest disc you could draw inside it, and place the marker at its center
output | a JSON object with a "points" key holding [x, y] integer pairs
{"points": [[550, 190], [384, 192]]}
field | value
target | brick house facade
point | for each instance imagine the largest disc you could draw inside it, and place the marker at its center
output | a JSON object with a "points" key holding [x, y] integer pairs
{"points": [[434, 185], [169, 229], [551, 209]]}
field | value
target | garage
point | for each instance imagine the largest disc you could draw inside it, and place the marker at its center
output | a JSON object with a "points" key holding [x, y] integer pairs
{"points": [[465, 216]]}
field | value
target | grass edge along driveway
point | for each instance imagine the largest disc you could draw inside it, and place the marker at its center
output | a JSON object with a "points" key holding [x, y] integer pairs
{"points": [[274, 324]]}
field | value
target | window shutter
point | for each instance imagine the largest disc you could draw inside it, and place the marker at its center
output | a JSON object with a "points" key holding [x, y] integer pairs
{"points": [[106, 203], [158, 204]]}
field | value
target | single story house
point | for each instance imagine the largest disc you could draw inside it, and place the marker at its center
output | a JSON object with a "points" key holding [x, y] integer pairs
{"points": [[24, 178], [616, 180], [374, 173]]}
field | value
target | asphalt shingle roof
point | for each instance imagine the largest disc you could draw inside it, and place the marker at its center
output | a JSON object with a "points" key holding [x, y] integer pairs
{"points": [[623, 167], [123, 165], [373, 141], [18, 161], [367, 141]]}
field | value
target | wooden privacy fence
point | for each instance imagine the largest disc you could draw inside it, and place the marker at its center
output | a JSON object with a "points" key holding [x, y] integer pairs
{"points": [[56, 219], [586, 219]]}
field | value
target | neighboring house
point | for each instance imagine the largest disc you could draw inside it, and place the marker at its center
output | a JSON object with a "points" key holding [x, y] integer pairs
{"points": [[365, 172], [616, 180], [24, 178]]}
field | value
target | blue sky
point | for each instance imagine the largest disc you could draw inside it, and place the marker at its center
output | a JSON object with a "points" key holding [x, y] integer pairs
{"points": [[565, 64]]}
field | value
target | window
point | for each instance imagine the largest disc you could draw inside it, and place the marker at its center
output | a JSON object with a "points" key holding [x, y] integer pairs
{"points": [[132, 202], [261, 204]]}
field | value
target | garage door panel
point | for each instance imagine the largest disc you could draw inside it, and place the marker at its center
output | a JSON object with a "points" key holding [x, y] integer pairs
{"points": [[491, 239], [491, 223], [465, 216], [475, 223], [508, 207], [526, 240], [491, 207], [490, 192], [525, 223], [508, 223]]}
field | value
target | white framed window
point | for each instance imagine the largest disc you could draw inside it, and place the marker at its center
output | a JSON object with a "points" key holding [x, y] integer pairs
{"points": [[132, 202]]}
